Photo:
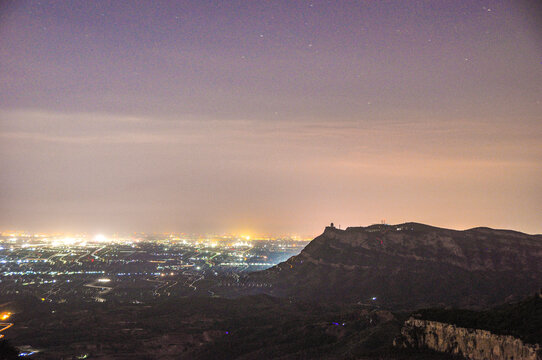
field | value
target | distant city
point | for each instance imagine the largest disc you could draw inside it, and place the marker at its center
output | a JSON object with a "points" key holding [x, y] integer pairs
{"points": [[133, 269]]}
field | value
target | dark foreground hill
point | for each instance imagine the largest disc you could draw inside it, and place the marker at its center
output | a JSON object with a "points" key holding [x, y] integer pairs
{"points": [[411, 266], [203, 328], [511, 331], [522, 320]]}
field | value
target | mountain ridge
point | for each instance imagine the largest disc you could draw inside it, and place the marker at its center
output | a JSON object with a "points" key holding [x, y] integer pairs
{"points": [[429, 265]]}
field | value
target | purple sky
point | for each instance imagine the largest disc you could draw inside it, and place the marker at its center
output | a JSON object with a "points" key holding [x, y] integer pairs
{"points": [[269, 116]]}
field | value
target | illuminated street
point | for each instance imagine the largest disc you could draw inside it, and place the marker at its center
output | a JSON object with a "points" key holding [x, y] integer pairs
{"points": [[3, 326]]}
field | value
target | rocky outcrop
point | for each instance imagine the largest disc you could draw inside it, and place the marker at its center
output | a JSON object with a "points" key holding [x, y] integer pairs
{"points": [[411, 266], [472, 344]]}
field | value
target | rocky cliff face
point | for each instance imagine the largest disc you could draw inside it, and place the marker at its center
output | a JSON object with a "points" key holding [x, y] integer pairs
{"points": [[471, 343], [411, 266]]}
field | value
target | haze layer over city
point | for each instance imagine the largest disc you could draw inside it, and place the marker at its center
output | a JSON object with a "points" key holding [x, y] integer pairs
{"points": [[269, 117]]}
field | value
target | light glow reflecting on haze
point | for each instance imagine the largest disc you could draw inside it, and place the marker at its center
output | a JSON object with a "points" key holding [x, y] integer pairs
{"points": [[269, 116]]}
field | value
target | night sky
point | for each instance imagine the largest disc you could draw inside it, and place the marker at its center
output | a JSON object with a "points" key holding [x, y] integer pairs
{"points": [[269, 116]]}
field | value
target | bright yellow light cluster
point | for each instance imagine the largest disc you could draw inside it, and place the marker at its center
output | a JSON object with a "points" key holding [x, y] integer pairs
{"points": [[5, 316], [100, 238], [65, 241], [242, 244]]}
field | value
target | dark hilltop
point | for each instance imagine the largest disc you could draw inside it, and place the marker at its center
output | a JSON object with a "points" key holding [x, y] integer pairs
{"points": [[409, 266]]}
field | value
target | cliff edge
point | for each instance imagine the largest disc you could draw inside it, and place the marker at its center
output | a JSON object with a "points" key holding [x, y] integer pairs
{"points": [[473, 344], [411, 265]]}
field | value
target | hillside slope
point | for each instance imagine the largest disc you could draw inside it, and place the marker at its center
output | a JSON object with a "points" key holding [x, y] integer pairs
{"points": [[411, 266]]}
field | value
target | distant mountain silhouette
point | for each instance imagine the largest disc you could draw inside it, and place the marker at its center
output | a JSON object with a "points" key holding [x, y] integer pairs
{"points": [[410, 266]]}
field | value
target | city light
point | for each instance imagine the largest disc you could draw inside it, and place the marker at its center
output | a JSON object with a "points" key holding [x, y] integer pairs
{"points": [[65, 268], [5, 316], [100, 238]]}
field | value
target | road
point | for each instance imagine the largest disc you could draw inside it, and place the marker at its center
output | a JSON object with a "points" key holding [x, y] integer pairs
{"points": [[104, 289], [4, 326], [191, 285], [96, 251]]}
